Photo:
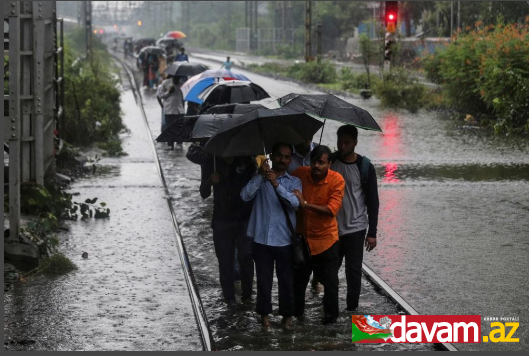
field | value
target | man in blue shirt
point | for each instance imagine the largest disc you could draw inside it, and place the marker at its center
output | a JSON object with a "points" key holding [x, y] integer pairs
{"points": [[272, 237], [182, 56], [227, 64]]}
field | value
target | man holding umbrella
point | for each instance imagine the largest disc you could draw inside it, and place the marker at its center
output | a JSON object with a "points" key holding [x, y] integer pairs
{"points": [[270, 230]]}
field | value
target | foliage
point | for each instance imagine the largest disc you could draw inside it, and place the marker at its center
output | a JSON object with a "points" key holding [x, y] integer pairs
{"points": [[289, 51], [487, 12], [42, 232], [51, 200], [313, 72], [485, 73], [113, 148], [92, 101], [399, 89], [55, 265], [354, 82], [368, 51]]}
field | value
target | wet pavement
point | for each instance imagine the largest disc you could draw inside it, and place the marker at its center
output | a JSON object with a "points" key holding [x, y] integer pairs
{"points": [[130, 293]]}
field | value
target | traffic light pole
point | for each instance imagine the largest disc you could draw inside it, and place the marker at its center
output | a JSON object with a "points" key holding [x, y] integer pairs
{"points": [[390, 20]]}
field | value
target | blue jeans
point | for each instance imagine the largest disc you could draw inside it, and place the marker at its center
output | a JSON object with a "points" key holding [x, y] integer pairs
{"points": [[227, 236]]}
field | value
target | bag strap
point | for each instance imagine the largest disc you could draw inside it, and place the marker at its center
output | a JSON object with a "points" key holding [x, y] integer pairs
{"points": [[289, 222]]}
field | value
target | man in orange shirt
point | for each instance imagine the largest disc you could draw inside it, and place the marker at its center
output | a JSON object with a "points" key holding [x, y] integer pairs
{"points": [[320, 201]]}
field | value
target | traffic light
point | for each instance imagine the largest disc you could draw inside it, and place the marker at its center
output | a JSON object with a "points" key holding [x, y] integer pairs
{"points": [[391, 16]]}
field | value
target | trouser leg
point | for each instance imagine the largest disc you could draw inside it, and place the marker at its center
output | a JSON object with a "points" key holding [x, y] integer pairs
{"points": [[264, 268], [301, 280], [352, 248], [224, 236], [285, 279], [326, 265], [246, 265]]}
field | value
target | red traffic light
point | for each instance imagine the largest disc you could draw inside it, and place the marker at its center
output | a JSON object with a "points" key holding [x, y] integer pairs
{"points": [[391, 11]]}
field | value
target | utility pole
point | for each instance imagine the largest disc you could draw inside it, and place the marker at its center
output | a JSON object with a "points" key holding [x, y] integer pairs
{"points": [[88, 26], [308, 28], [256, 24], [459, 14], [451, 18], [319, 49]]}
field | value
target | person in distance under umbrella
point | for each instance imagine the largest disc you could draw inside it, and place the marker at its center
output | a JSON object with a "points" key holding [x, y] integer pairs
{"points": [[182, 56], [271, 233]]}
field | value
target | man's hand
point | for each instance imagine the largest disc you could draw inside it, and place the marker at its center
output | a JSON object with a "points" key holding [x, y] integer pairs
{"points": [[214, 178], [370, 243], [172, 89], [299, 195], [264, 168], [271, 177]]}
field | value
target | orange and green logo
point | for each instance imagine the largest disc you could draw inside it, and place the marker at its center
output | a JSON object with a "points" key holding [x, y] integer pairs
{"points": [[367, 329]]}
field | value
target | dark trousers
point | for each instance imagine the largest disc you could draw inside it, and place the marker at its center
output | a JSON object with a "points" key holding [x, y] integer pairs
{"points": [[325, 266], [227, 235], [264, 257], [352, 248]]}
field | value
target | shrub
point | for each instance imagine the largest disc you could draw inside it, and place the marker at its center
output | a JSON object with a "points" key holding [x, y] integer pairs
{"points": [[485, 73], [352, 81], [92, 110], [313, 72], [399, 89], [289, 51]]}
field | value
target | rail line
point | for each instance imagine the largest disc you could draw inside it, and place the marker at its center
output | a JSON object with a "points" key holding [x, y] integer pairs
{"points": [[200, 314]]}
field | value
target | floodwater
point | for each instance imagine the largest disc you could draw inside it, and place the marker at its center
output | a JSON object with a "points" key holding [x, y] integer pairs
{"points": [[453, 222]]}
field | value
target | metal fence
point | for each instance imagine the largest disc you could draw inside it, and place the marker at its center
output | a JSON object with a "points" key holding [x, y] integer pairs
{"points": [[30, 44], [243, 40], [269, 39]]}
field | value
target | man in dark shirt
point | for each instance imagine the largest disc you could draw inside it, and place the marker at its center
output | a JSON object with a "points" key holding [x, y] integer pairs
{"points": [[231, 214]]}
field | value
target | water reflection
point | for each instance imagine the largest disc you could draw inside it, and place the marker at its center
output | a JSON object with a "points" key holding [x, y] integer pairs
{"points": [[390, 174], [391, 147]]}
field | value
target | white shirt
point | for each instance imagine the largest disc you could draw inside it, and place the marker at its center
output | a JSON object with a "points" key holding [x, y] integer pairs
{"points": [[173, 103]]}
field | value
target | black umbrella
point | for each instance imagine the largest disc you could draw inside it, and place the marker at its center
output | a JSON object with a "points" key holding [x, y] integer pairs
{"points": [[207, 125], [328, 106], [179, 131], [236, 91], [233, 108], [256, 132], [153, 50], [185, 69], [193, 128]]}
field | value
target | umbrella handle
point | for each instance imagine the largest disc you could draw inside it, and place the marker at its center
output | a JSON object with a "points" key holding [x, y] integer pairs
{"points": [[214, 164], [324, 121]]}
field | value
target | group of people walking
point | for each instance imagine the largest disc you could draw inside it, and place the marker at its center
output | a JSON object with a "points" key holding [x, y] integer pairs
{"points": [[330, 198]]}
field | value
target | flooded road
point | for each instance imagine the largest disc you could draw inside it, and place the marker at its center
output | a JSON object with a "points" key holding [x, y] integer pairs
{"points": [[453, 220]]}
